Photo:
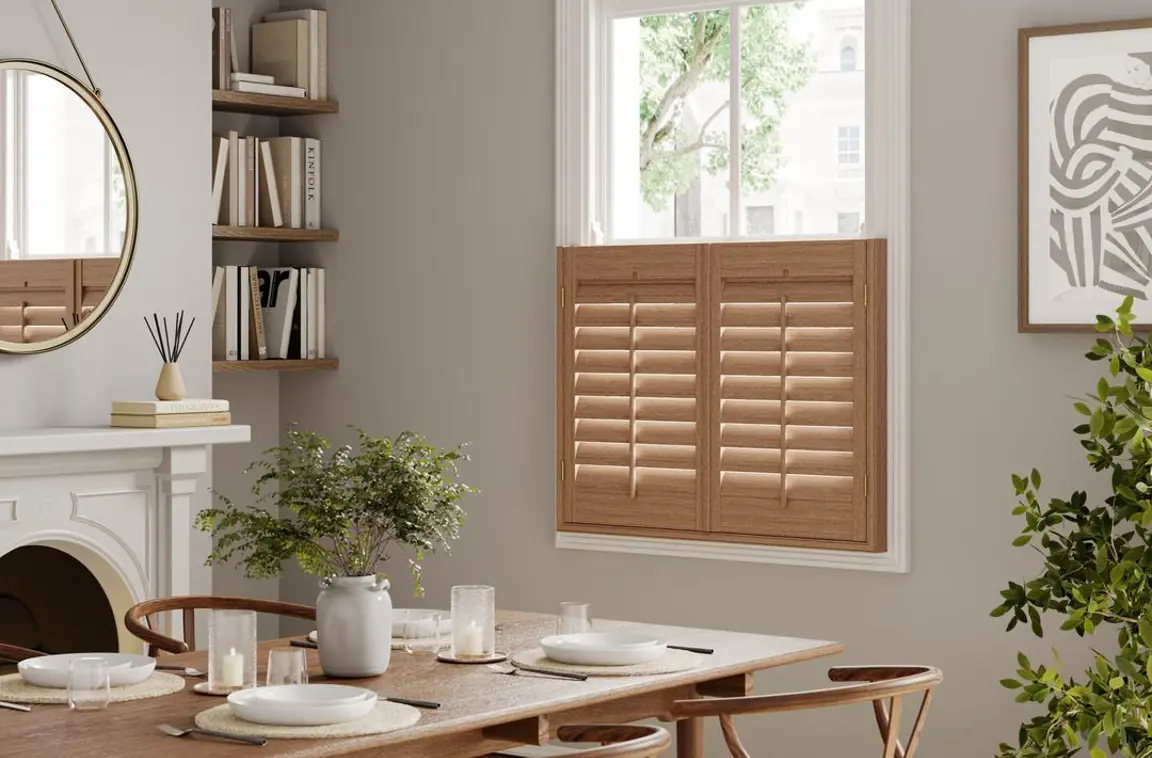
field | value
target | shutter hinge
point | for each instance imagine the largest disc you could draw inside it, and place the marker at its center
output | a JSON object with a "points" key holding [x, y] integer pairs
{"points": [[865, 295], [563, 298], [563, 470], [866, 490]]}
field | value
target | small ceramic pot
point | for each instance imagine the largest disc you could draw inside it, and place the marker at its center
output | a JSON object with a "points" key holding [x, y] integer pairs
{"points": [[354, 626], [170, 385]]}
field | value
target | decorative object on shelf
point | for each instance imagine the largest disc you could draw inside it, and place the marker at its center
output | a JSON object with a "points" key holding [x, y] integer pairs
{"points": [[473, 622], [1084, 181], [338, 512], [170, 345], [231, 651], [1094, 577]]}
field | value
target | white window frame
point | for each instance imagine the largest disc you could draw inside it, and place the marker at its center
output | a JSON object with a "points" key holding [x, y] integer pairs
{"points": [[844, 146], [580, 163]]}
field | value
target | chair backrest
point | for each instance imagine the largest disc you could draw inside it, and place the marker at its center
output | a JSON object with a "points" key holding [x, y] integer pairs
{"points": [[870, 684], [139, 619], [14, 654], [617, 740]]}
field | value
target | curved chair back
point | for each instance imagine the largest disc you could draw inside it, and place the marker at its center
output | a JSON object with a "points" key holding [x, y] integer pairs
{"points": [[14, 654], [869, 684], [140, 618], [617, 740]]}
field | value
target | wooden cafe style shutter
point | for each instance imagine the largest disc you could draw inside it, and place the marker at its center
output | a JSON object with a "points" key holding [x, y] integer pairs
{"points": [[730, 392]]}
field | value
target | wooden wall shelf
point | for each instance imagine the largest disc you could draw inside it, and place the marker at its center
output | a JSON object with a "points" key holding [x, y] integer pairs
{"points": [[245, 367], [270, 105], [272, 234]]}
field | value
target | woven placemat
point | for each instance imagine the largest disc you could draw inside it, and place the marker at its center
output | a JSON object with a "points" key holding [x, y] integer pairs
{"points": [[14, 689], [385, 717], [671, 662]]}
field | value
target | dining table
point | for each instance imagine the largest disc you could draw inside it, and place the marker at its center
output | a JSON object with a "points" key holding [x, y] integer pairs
{"points": [[482, 711]]}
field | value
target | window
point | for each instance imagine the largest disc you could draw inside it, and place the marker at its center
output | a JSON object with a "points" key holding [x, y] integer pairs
{"points": [[848, 145], [761, 220], [848, 223], [682, 125], [63, 188], [720, 392]]}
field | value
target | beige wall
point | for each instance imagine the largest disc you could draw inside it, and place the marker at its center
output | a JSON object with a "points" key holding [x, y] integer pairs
{"points": [[439, 174], [153, 83]]}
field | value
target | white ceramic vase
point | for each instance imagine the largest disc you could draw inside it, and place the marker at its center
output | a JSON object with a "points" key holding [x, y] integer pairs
{"points": [[354, 626]]}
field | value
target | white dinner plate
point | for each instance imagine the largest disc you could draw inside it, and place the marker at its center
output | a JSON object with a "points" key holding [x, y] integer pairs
{"points": [[611, 649], [302, 704], [52, 670]]}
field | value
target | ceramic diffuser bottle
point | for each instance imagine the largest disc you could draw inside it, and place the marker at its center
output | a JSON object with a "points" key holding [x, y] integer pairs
{"points": [[170, 385]]}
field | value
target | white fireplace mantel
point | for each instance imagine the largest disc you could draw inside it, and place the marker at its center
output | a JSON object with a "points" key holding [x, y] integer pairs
{"points": [[119, 500]]}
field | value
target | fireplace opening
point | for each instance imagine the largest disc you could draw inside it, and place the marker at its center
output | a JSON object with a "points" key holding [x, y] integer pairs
{"points": [[51, 602]]}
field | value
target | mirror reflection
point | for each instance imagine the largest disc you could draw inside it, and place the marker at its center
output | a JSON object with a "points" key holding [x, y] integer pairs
{"points": [[64, 208]]}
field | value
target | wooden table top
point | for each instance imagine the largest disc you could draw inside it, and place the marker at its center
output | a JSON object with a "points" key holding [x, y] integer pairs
{"points": [[472, 697]]}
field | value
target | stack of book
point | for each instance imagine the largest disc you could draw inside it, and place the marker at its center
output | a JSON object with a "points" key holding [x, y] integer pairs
{"points": [[174, 414], [289, 54], [260, 313], [266, 182]]}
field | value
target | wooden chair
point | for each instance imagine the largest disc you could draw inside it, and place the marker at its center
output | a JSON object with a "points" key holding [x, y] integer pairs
{"points": [[873, 684], [14, 654], [139, 618], [617, 740]]}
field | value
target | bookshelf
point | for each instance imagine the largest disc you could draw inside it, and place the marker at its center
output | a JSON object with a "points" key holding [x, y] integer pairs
{"points": [[227, 101], [244, 367], [222, 233]]}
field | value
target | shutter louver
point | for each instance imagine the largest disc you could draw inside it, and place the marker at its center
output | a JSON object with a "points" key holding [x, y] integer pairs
{"points": [[631, 351]]}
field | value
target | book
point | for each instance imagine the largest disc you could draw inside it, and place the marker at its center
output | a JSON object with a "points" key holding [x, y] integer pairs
{"points": [[220, 51], [270, 210], [243, 321], [286, 162], [296, 346], [219, 170], [280, 50], [313, 313], [250, 183], [231, 313], [240, 76], [166, 407], [233, 183], [269, 89], [321, 315], [311, 183], [257, 337], [219, 320], [233, 57], [278, 288], [317, 21], [171, 420]]}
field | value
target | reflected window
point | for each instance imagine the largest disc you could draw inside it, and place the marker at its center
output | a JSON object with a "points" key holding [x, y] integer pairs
{"points": [[848, 54]]}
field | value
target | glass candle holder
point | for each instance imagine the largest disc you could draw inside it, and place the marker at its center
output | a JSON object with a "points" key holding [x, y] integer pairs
{"points": [[231, 651], [473, 622]]}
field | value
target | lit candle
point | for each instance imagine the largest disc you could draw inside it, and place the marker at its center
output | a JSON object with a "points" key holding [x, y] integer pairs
{"points": [[473, 640], [232, 670]]}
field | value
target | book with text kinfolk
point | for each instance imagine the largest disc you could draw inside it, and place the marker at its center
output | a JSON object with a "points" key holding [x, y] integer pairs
{"points": [[311, 183], [287, 163], [278, 294], [166, 407]]}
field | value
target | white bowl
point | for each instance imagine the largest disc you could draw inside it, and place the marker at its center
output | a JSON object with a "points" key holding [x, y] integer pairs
{"points": [[302, 704], [52, 670], [602, 649]]}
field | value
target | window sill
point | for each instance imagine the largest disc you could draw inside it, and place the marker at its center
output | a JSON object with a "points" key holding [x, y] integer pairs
{"points": [[895, 562]]}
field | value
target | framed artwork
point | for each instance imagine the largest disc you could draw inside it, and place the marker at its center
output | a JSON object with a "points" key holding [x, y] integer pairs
{"points": [[1085, 173]]}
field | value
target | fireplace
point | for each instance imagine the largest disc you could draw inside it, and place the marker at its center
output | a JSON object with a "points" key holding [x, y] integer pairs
{"points": [[93, 521]]}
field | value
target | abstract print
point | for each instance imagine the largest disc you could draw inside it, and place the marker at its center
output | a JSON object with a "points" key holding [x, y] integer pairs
{"points": [[1101, 181]]}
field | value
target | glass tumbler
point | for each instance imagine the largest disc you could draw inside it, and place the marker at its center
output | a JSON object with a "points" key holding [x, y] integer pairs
{"points": [[89, 688], [575, 618], [287, 665], [424, 636]]}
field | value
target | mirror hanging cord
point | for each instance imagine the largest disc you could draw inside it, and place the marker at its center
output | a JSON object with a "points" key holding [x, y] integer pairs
{"points": [[72, 40]]}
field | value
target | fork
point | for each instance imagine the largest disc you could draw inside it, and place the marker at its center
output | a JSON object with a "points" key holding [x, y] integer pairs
{"points": [[509, 669], [176, 732]]}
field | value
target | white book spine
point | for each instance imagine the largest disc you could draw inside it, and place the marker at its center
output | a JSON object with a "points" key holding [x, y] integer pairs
{"points": [[269, 89], [245, 292], [304, 314], [255, 161], [297, 183], [293, 296], [219, 172], [233, 178], [323, 90], [219, 320], [311, 183], [270, 187], [321, 314], [313, 313], [231, 313], [242, 181]]}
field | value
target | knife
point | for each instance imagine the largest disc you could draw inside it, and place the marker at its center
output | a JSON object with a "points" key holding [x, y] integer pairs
{"points": [[304, 643], [553, 672], [700, 650], [414, 703]]}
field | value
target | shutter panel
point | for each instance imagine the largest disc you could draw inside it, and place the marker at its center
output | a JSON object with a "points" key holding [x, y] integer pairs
{"points": [[631, 369], [796, 359], [35, 299]]}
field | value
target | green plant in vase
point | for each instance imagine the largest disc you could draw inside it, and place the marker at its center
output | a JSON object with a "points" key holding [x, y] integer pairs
{"points": [[339, 512], [1096, 573]]}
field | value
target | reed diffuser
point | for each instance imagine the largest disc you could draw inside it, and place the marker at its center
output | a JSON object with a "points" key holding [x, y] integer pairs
{"points": [[170, 344]]}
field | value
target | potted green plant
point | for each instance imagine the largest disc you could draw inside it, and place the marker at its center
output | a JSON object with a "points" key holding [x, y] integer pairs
{"points": [[1097, 570], [339, 512]]}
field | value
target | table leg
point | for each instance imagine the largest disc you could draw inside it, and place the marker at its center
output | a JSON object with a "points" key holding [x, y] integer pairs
{"points": [[690, 738]]}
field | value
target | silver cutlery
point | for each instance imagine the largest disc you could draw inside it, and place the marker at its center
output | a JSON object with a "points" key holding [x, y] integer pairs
{"points": [[700, 650], [511, 670], [430, 704], [175, 732], [15, 707], [185, 670]]}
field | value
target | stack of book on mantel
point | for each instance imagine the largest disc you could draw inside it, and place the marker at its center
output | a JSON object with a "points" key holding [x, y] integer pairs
{"points": [[170, 414]]}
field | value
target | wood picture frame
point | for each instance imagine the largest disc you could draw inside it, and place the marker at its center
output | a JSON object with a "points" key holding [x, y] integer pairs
{"points": [[1085, 173]]}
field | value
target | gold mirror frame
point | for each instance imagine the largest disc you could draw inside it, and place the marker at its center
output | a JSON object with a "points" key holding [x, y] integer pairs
{"points": [[130, 191]]}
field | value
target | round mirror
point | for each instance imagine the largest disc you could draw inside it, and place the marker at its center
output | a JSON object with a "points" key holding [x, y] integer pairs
{"points": [[67, 208]]}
